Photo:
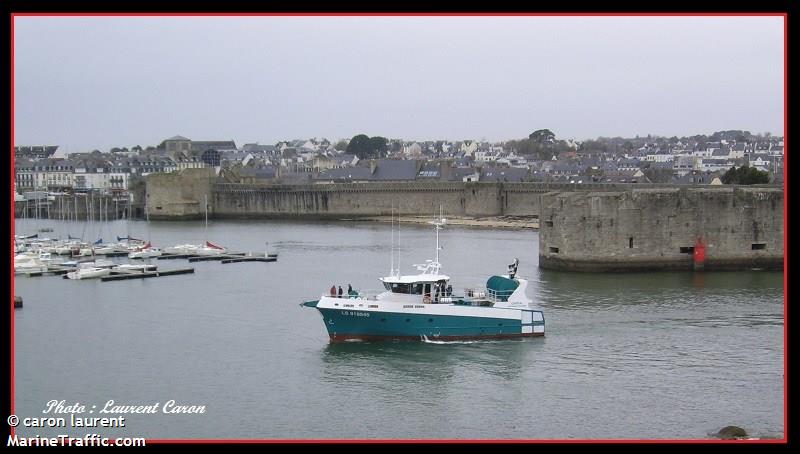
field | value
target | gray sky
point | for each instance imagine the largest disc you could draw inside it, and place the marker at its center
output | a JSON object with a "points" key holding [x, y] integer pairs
{"points": [[98, 82]]}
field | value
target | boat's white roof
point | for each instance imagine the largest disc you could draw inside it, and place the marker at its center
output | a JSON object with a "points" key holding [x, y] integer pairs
{"points": [[410, 279]]}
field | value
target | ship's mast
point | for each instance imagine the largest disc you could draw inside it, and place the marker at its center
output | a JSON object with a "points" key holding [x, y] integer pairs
{"points": [[438, 223], [398, 239]]}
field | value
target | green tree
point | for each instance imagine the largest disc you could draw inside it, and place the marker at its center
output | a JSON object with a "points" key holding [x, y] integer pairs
{"points": [[379, 145], [658, 175], [542, 136], [521, 146], [367, 148], [360, 146], [745, 175], [396, 145], [593, 146], [627, 146], [341, 145]]}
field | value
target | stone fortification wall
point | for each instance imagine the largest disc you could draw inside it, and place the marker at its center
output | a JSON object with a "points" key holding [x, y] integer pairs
{"points": [[358, 200], [642, 229], [589, 227], [377, 199], [179, 195]]}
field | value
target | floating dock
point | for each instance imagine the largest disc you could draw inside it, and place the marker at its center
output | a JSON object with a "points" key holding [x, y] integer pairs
{"points": [[51, 269], [269, 258], [208, 258], [117, 274], [228, 257], [120, 275], [115, 254]]}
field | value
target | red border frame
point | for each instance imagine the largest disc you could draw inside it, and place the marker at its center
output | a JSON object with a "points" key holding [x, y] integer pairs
{"points": [[11, 227], [784, 440]]}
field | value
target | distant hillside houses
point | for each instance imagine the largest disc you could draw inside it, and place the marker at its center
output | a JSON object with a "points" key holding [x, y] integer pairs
{"points": [[647, 160], [35, 152]]}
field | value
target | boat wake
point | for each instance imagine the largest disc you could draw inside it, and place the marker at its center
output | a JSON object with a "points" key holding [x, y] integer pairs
{"points": [[425, 339]]}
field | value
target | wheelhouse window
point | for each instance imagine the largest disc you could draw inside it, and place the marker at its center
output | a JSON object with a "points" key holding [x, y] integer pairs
{"points": [[396, 287], [414, 288]]}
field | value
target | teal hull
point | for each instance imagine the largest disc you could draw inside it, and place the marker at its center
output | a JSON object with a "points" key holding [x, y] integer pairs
{"points": [[345, 325]]}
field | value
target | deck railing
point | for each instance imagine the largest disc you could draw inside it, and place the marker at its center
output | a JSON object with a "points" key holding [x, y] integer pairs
{"points": [[470, 294]]}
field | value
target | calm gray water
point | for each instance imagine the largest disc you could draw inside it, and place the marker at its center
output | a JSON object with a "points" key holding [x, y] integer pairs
{"points": [[650, 355]]}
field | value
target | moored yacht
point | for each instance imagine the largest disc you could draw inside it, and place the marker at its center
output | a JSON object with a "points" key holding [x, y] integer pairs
{"points": [[89, 273], [195, 249], [26, 263], [145, 252]]}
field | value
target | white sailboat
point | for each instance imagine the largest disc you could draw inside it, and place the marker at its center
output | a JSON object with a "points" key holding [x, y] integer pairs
{"points": [[89, 273], [145, 252], [208, 248]]}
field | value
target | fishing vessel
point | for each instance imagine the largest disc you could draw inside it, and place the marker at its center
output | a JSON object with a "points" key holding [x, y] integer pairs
{"points": [[423, 307]]}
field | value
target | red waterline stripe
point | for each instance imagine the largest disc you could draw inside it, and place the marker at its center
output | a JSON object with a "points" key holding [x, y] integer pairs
{"points": [[347, 337], [407, 14]]}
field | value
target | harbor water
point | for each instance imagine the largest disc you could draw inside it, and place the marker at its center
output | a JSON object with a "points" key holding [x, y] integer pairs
{"points": [[669, 355]]}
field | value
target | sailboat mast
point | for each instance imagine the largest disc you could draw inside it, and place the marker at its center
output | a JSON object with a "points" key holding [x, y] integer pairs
{"points": [[391, 244], [398, 238]]}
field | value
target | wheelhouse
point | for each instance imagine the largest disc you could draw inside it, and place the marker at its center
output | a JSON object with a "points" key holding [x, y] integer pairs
{"points": [[432, 288]]}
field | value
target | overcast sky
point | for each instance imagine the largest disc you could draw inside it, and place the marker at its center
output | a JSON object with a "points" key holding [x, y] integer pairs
{"points": [[98, 82]]}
